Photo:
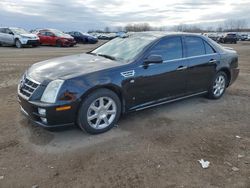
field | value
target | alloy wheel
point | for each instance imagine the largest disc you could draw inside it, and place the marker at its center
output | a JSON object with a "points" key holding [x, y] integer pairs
{"points": [[18, 44], [219, 86], [101, 113]]}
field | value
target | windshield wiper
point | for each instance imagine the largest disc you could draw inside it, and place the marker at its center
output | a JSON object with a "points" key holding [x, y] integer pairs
{"points": [[92, 53], [107, 56], [103, 55]]}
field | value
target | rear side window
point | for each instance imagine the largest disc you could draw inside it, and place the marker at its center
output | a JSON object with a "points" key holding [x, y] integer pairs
{"points": [[209, 49], [169, 48], [2, 30], [194, 46]]}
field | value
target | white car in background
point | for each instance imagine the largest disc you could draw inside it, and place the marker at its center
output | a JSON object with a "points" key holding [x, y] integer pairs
{"points": [[248, 37], [17, 37]]}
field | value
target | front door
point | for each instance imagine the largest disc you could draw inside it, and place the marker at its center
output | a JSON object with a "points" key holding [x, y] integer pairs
{"points": [[158, 82]]}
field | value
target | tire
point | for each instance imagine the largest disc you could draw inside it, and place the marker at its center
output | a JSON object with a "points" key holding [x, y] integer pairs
{"points": [[18, 43], [218, 86], [58, 43], [95, 118]]}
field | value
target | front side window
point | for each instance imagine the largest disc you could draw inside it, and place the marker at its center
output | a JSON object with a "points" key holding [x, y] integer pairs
{"points": [[19, 31], [49, 34], [42, 33], [77, 34], [168, 48], [194, 46]]}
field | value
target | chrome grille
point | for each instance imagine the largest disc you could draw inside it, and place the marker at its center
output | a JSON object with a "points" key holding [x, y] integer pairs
{"points": [[28, 86]]}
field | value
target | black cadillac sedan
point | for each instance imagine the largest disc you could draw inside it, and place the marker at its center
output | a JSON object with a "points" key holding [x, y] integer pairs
{"points": [[144, 70]]}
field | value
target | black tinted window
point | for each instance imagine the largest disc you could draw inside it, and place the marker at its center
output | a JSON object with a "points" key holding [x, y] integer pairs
{"points": [[77, 34], [195, 46], [209, 49], [169, 48]]}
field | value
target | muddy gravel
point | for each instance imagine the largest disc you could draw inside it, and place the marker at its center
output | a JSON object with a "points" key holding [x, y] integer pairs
{"points": [[158, 147]]}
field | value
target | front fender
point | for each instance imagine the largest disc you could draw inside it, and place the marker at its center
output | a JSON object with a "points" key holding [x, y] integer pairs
{"points": [[78, 89]]}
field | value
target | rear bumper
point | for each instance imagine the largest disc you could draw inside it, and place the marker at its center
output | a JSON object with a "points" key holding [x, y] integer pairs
{"points": [[53, 117]]}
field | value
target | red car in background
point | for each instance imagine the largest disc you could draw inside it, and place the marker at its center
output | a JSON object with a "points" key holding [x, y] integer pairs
{"points": [[55, 37]]}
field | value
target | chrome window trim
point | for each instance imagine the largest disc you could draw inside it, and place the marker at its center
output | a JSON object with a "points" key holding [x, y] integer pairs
{"points": [[184, 58]]}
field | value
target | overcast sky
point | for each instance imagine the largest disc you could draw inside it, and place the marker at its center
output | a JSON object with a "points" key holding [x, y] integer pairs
{"points": [[96, 14]]}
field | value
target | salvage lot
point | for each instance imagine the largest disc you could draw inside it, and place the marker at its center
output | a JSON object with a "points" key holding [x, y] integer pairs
{"points": [[158, 147]]}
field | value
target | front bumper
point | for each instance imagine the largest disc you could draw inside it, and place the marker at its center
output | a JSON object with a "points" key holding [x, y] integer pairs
{"points": [[30, 42], [69, 43], [33, 42], [53, 117]]}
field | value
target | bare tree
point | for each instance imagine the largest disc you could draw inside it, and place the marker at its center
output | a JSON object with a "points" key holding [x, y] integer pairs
{"points": [[235, 25], [138, 27], [119, 28], [107, 30]]}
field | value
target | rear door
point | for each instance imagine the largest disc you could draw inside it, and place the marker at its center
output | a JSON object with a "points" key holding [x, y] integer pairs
{"points": [[6, 36], [202, 61], [2, 38], [10, 37]]}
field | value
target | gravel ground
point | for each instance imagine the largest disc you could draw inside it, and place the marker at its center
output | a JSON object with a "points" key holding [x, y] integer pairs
{"points": [[158, 147]]}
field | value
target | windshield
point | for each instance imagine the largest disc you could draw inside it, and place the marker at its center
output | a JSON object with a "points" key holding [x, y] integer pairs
{"points": [[86, 34], [124, 49], [58, 33], [19, 31]]}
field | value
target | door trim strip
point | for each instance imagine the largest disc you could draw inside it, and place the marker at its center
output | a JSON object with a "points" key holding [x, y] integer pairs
{"points": [[169, 101]]}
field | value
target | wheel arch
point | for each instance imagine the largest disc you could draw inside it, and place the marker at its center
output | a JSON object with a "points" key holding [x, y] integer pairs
{"points": [[228, 73], [116, 89], [15, 39]]}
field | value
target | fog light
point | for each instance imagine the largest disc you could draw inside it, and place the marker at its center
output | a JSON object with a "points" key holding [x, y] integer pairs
{"points": [[44, 120], [42, 111]]}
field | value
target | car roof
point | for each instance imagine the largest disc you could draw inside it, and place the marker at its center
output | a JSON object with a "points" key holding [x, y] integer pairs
{"points": [[11, 28], [159, 35]]}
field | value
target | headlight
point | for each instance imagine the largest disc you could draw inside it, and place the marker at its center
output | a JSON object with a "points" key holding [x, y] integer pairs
{"points": [[51, 91]]}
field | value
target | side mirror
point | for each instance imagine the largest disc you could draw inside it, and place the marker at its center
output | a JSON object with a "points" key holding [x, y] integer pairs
{"points": [[11, 33], [153, 59]]}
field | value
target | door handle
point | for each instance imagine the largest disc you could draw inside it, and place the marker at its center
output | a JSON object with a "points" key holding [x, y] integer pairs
{"points": [[181, 68], [212, 61]]}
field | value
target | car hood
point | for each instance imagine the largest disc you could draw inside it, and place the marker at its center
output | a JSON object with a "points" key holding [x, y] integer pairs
{"points": [[69, 66], [66, 36], [29, 35]]}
